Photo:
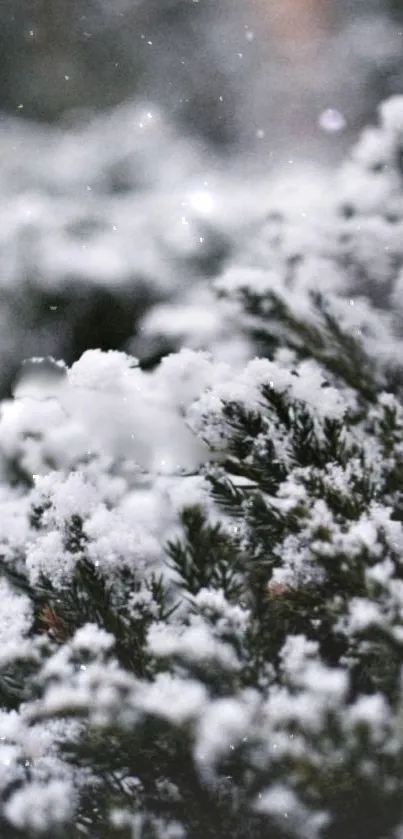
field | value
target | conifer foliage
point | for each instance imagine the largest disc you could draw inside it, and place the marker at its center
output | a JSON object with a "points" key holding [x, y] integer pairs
{"points": [[201, 571]]}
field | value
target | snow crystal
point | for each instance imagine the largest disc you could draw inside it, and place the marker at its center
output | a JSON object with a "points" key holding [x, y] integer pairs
{"points": [[47, 556], [308, 386], [70, 496]]}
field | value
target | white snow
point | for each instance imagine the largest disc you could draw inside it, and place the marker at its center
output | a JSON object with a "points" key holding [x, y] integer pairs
{"points": [[172, 698], [40, 807], [16, 615]]}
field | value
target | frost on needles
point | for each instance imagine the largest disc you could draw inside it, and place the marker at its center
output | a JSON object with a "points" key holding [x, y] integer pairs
{"points": [[202, 566]]}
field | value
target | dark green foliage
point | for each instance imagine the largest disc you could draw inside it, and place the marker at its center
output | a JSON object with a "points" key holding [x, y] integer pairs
{"points": [[272, 324], [207, 558], [143, 767]]}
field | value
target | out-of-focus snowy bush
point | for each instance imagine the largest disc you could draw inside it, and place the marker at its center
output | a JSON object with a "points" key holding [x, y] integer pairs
{"points": [[334, 234], [98, 223], [223, 69], [107, 243], [113, 223]]}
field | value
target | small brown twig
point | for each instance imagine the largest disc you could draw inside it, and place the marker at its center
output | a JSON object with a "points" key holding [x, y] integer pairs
{"points": [[54, 625]]}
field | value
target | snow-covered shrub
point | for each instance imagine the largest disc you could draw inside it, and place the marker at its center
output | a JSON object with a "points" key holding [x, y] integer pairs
{"points": [[201, 565]]}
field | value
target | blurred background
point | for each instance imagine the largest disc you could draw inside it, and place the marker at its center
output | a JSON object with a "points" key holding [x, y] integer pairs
{"points": [[226, 70], [135, 136]]}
